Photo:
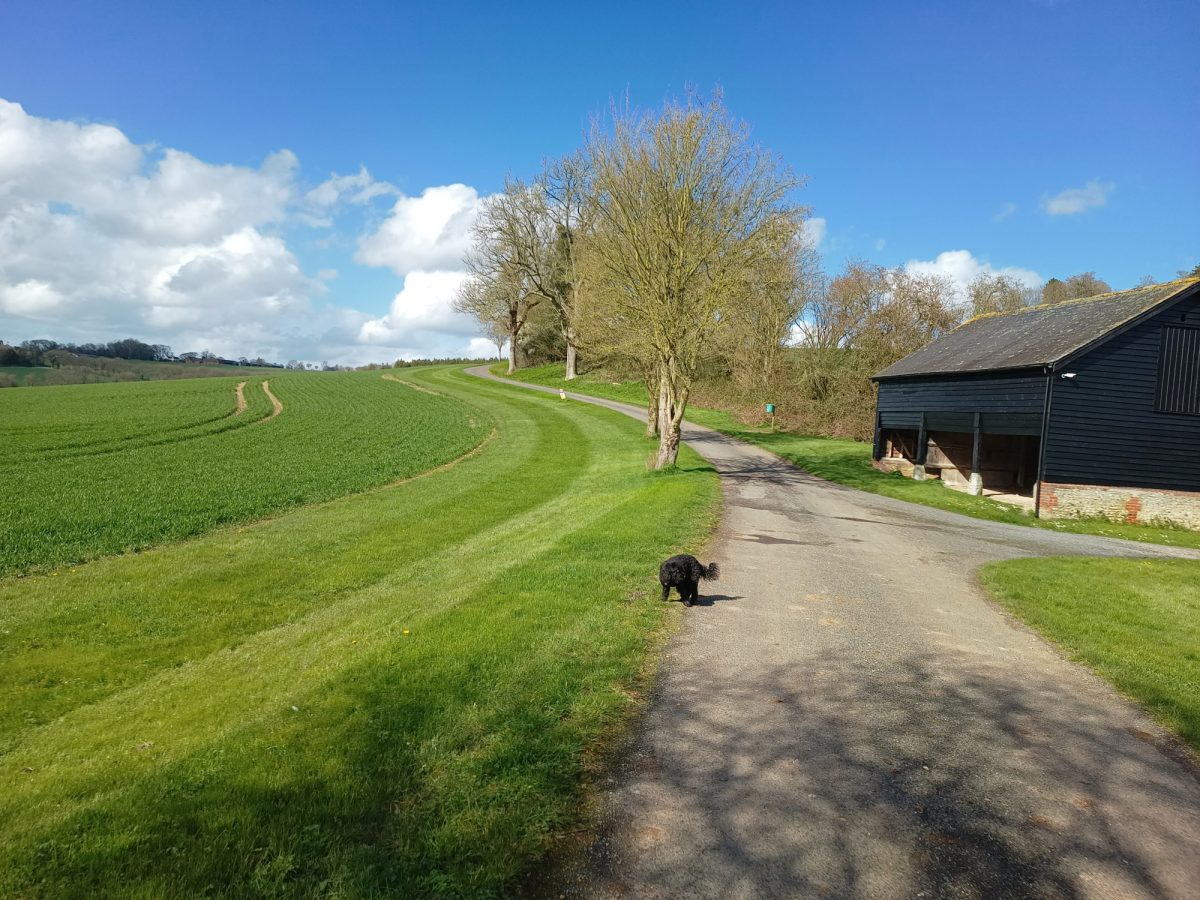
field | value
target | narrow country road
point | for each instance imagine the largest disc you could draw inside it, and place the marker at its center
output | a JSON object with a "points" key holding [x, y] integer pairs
{"points": [[845, 715]]}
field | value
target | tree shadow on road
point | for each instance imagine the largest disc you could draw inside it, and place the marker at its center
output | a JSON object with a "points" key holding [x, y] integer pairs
{"points": [[892, 777]]}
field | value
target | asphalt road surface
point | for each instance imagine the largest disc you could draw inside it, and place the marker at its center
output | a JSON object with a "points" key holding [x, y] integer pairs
{"points": [[845, 715]]}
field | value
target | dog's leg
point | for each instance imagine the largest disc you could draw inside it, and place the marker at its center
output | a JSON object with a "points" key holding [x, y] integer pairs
{"points": [[690, 592], [666, 592]]}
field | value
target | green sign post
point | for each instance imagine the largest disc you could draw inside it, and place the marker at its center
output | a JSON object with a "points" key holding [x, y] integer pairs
{"points": [[771, 413]]}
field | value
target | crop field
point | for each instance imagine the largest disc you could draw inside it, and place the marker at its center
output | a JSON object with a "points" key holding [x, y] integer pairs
{"points": [[398, 692], [92, 470]]}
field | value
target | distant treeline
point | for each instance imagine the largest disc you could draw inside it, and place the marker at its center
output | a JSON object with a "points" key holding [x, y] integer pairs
{"points": [[409, 363], [34, 353], [43, 362]]}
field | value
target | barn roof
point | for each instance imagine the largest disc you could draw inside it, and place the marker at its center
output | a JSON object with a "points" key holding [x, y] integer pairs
{"points": [[1036, 336]]}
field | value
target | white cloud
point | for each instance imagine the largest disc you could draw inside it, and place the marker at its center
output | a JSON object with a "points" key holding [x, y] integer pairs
{"points": [[103, 238], [481, 348], [359, 188], [31, 298], [1005, 211], [814, 231], [423, 306], [1073, 201], [961, 267], [431, 232]]}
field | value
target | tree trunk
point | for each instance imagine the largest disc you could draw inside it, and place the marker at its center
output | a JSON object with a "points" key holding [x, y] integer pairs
{"points": [[652, 381], [514, 328], [672, 403], [572, 353]]}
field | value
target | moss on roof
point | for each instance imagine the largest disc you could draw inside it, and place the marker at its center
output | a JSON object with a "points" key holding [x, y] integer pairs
{"points": [[1035, 336]]}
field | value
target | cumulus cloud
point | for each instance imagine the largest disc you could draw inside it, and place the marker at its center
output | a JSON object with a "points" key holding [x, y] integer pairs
{"points": [[431, 232], [1073, 201], [423, 308], [961, 267], [814, 230], [482, 348], [101, 238], [31, 298]]}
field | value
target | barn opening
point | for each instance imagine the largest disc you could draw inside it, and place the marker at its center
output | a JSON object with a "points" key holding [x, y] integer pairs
{"points": [[1007, 465]]}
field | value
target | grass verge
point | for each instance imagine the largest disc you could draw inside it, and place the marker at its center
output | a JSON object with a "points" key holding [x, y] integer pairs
{"points": [[391, 693], [849, 462], [1136, 622]]}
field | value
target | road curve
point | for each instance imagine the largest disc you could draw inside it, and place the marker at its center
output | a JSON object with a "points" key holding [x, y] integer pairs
{"points": [[847, 716]]}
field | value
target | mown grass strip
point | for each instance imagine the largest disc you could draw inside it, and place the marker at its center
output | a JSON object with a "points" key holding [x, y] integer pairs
{"points": [[849, 462], [1136, 622], [415, 726]]}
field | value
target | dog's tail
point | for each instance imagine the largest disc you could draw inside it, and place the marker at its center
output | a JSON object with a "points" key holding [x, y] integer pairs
{"points": [[711, 573]]}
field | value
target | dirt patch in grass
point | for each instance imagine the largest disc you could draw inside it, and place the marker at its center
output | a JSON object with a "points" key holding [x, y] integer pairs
{"points": [[276, 405]]}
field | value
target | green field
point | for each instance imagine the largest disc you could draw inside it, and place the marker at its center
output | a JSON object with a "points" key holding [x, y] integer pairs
{"points": [[849, 462], [92, 470], [397, 692], [1136, 622]]}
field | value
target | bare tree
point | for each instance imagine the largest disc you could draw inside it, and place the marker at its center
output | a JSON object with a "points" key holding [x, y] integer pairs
{"points": [[565, 185], [860, 322], [775, 294], [686, 210], [528, 234], [998, 293], [1077, 287], [499, 291], [497, 333], [500, 302]]}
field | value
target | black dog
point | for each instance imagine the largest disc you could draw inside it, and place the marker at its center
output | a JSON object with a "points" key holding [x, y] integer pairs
{"points": [[683, 573]]}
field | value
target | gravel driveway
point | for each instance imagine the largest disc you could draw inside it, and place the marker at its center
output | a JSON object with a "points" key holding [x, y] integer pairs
{"points": [[845, 715]]}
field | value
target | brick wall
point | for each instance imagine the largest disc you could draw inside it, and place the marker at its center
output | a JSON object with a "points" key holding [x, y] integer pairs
{"points": [[1121, 504]]}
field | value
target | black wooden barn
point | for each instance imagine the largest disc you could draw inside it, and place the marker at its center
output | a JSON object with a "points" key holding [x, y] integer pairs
{"points": [[1085, 407]]}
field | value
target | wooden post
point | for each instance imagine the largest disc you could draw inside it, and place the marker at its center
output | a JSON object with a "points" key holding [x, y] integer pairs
{"points": [[877, 447], [922, 452], [976, 483], [976, 445]]}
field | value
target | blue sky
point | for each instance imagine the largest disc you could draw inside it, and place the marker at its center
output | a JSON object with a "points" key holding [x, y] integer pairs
{"points": [[1043, 137]]}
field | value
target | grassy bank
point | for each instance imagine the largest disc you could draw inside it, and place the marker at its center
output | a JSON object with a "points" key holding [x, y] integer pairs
{"points": [[390, 693], [849, 462], [1136, 622]]}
